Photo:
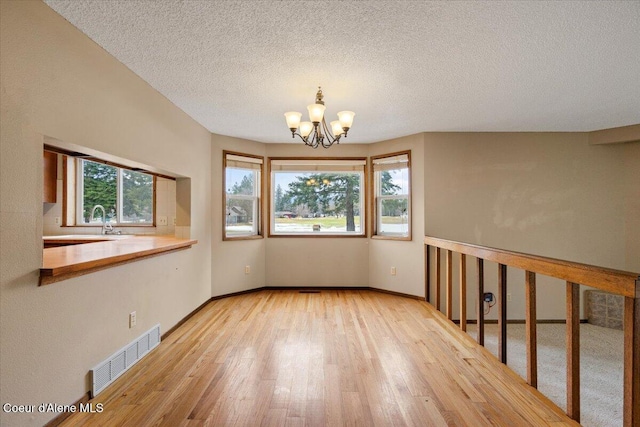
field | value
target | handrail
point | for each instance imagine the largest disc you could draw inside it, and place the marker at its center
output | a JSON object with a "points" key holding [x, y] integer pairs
{"points": [[615, 281], [575, 274]]}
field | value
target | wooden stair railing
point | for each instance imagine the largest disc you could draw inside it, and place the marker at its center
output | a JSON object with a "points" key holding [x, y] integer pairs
{"points": [[574, 274]]}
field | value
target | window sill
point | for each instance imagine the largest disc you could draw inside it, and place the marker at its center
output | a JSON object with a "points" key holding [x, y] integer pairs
{"points": [[320, 235], [123, 225], [254, 237], [399, 238], [65, 262]]}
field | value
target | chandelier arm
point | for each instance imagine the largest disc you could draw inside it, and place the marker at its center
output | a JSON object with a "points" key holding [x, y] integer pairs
{"points": [[311, 142], [334, 141], [330, 139], [294, 134], [316, 139], [319, 132], [326, 131]]}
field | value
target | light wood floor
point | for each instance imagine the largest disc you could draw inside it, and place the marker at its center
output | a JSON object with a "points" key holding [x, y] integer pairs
{"points": [[332, 358]]}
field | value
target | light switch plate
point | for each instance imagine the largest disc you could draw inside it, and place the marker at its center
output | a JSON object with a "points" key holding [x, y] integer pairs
{"points": [[162, 220]]}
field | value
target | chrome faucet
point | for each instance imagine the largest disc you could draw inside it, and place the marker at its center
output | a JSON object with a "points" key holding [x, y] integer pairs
{"points": [[106, 227]]}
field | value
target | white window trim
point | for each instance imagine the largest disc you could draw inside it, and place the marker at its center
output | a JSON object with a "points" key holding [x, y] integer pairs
{"points": [[386, 162], [79, 187], [255, 164], [379, 201], [315, 166], [255, 198]]}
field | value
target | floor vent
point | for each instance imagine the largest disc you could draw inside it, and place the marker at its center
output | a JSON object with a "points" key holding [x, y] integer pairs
{"points": [[106, 372]]}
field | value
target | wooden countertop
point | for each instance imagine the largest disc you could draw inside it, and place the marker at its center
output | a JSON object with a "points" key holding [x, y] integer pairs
{"points": [[65, 262], [85, 238]]}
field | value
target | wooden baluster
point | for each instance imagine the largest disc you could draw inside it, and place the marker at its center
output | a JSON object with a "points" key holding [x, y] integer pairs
{"points": [[617, 282], [480, 307], [437, 289], [531, 331], [463, 292], [573, 350], [631, 417], [449, 290], [502, 313], [427, 271]]}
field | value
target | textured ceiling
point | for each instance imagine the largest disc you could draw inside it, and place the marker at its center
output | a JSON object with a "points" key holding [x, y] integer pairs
{"points": [[403, 67]]}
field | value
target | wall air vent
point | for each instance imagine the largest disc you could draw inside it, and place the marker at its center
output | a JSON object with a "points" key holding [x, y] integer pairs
{"points": [[120, 361]]}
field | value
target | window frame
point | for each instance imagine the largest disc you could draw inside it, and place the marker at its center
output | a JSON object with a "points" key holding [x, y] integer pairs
{"points": [[375, 198], [258, 195], [363, 198], [79, 194]]}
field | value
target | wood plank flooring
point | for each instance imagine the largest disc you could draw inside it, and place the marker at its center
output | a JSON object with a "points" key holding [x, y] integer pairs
{"points": [[284, 358]]}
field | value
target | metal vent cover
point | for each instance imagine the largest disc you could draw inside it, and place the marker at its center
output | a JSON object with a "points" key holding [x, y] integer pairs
{"points": [[120, 361]]}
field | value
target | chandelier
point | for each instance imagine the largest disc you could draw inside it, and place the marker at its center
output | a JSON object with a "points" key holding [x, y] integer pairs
{"points": [[316, 133]]}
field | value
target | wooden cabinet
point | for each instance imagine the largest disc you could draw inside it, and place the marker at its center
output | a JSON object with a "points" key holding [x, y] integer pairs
{"points": [[50, 176]]}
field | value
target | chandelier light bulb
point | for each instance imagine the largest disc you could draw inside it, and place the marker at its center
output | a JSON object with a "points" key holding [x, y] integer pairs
{"points": [[293, 119], [305, 129], [346, 118], [336, 127], [316, 112]]}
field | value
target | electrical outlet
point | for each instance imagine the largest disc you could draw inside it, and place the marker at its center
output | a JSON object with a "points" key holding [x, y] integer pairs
{"points": [[57, 220], [173, 220], [488, 297], [508, 297], [132, 319], [162, 220], [247, 269], [393, 271]]}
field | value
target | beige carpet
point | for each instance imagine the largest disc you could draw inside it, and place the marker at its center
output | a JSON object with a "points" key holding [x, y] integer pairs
{"points": [[601, 367]]}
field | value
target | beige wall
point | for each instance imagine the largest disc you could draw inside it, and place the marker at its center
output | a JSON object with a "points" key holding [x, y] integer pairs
{"points": [[281, 261], [284, 261], [229, 258], [406, 256], [316, 261], [551, 194], [56, 82], [632, 204]]}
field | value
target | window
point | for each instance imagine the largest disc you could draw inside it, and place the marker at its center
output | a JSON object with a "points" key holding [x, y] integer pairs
{"points": [[242, 183], [392, 195], [127, 196], [317, 197]]}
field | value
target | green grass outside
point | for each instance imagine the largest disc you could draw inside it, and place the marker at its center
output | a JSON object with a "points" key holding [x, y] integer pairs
{"points": [[327, 222], [393, 220]]}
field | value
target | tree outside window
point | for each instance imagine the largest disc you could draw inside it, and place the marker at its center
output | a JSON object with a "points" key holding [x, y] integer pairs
{"points": [[317, 197], [242, 195], [392, 195], [125, 195]]}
